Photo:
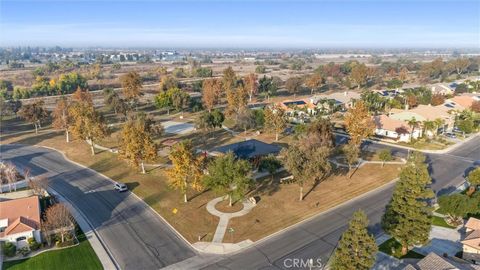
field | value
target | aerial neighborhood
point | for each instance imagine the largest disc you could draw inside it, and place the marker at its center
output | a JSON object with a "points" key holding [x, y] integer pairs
{"points": [[149, 145]]}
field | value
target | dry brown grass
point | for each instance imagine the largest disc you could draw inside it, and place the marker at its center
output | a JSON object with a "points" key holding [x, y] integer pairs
{"points": [[279, 206]]}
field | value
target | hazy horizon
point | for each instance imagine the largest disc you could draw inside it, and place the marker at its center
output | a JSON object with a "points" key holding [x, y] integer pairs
{"points": [[236, 25]]}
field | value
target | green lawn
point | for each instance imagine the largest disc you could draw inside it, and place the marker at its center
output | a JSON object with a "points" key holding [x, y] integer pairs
{"points": [[438, 221], [392, 244], [81, 257]]}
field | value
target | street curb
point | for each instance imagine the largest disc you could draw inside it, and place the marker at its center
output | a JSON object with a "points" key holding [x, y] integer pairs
{"points": [[135, 195], [382, 187]]}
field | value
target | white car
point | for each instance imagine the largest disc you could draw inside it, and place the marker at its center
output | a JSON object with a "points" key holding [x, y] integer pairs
{"points": [[120, 187]]}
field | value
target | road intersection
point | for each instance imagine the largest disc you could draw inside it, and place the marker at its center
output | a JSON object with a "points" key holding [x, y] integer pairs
{"points": [[139, 239]]}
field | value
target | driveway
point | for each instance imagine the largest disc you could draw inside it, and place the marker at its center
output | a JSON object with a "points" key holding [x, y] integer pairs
{"points": [[442, 240]]}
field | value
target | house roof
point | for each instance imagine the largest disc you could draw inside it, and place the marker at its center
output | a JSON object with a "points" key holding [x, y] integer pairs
{"points": [[342, 97], [473, 240], [435, 262], [466, 100], [421, 113], [390, 124], [441, 89], [473, 224], [249, 149], [21, 215]]}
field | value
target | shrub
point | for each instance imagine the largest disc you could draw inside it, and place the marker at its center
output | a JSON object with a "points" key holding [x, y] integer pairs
{"points": [[24, 251], [9, 249], [33, 244]]}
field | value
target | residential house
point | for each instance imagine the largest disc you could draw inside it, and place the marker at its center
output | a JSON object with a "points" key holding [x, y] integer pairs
{"points": [[20, 220], [345, 99], [434, 261], [466, 100], [424, 113], [298, 107], [471, 242], [442, 89], [397, 130]]}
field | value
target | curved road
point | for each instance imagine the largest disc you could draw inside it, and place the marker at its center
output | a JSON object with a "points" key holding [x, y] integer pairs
{"points": [[133, 233], [139, 239], [316, 238]]}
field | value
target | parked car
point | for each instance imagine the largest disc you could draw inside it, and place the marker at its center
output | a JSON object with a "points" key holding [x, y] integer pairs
{"points": [[120, 187], [450, 135]]}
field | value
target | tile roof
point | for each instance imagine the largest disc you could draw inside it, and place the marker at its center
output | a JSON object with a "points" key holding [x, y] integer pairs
{"points": [[21, 215], [436, 262], [473, 223], [472, 239], [390, 124]]}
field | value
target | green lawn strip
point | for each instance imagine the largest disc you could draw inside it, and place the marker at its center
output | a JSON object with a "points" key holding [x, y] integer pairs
{"points": [[439, 221], [392, 244], [79, 257]]}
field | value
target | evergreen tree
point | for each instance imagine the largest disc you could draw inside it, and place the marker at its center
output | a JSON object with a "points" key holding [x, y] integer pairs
{"points": [[357, 248], [408, 215]]}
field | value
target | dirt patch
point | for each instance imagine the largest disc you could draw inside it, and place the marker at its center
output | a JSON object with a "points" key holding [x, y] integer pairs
{"points": [[225, 208]]}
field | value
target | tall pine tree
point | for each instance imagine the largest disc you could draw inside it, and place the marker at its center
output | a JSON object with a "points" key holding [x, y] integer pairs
{"points": [[408, 215], [357, 248]]}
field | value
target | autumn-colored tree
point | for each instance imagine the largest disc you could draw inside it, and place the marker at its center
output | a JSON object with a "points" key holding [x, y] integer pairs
{"points": [[359, 75], [211, 93], [358, 122], [294, 85], [58, 219], [438, 99], [87, 123], [251, 85], [136, 143], [83, 96], [475, 106], [34, 113], [167, 82], [132, 86], [275, 120], [229, 83], [187, 169], [61, 117], [403, 75], [313, 82]]}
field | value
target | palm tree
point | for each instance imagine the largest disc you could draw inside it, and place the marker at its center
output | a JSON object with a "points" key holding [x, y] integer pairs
{"points": [[413, 123], [438, 123], [428, 126]]}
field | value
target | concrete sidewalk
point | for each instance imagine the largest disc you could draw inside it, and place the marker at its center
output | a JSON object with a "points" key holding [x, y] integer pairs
{"points": [[108, 262]]}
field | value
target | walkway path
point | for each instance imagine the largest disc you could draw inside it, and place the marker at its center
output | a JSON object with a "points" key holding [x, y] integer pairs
{"points": [[225, 217]]}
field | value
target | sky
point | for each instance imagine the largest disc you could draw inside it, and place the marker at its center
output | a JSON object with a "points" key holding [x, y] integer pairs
{"points": [[241, 24]]}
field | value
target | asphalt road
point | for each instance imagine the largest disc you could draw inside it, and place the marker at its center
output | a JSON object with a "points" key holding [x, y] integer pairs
{"points": [[136, 237], [316, 238], [139, 239]]}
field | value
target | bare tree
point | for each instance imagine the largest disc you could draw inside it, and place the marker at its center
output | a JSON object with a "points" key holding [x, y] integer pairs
{"points": [[57, 219], [9, 175], [39, 185]]}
